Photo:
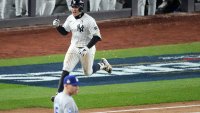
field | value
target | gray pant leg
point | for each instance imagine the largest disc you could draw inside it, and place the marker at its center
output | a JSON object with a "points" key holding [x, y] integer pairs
{"points": [[8, 10], [112, 4], [69, 4], [49, 7], [25, 7], [94, 5], [40, 5], [152, 7], [18, 7], [1, 1], [104, 5], [141, 7]]}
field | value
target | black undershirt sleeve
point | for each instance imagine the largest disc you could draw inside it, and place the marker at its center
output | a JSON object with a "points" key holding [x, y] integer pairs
{"points": [[93, 41], [62, 30]]}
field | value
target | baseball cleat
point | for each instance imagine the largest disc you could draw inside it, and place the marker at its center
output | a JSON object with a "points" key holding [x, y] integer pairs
{"points": [[107, 67]]}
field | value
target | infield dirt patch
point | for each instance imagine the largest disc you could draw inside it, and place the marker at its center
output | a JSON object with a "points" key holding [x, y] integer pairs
{"points": [[179, 107], [116, 34]]}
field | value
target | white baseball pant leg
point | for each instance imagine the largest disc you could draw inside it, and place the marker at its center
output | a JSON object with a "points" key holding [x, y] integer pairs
{"points": [[118, 5], [69, 4], [71, 59], [40, 5], [1, 2], [152, 7], [141, 7], [25, 6], [18, 7], [49, 7], [112, 4], [94, 5], [7, 9], [104, 5], [87, 61]]}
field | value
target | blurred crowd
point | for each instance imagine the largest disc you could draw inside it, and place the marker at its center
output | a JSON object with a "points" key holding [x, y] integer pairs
{"points": [[19, 8]]}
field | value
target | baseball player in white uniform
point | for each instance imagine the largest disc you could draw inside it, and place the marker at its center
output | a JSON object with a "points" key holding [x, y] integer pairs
{"points": [[151, 7], [85, 34], [64, 102]]}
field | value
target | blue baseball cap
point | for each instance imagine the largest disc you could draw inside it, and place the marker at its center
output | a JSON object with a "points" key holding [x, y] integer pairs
{"points": [[72, 80]]}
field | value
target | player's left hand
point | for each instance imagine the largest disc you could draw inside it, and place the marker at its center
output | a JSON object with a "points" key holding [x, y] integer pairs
{"points": [[83, 51]]}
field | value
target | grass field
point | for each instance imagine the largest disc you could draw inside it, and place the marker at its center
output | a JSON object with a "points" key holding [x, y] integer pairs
{"points": [[20, 96]]}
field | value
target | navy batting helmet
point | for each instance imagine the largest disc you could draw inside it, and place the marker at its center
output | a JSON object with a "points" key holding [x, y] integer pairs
{"points": [[78, 4]]}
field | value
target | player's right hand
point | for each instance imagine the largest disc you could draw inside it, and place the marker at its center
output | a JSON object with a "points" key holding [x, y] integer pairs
{"points": [[56, 22], [83, 51]]}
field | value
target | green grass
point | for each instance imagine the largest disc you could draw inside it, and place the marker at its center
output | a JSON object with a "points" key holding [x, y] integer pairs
{"points": [[120, 53], [21, 96]]}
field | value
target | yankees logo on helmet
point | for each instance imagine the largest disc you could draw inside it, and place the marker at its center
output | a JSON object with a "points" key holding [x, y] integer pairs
{"points": [[78, 4]]}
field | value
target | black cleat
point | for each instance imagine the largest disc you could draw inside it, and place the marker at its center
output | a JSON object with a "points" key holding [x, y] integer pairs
{"points": [[52, 98]]}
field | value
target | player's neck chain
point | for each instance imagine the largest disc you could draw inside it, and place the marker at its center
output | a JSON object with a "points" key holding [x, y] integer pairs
{"points": [[79, 16]]}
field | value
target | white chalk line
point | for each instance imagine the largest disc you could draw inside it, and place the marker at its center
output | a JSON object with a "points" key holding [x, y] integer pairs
{"points": [[146, 109]]}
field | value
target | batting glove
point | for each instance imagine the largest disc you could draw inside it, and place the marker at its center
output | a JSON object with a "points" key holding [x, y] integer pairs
{"points": [[83, 51], [56, 22]]}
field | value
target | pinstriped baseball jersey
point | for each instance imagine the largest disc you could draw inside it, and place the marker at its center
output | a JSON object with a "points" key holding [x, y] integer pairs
{"points": [[82, 29], [64, 103]]}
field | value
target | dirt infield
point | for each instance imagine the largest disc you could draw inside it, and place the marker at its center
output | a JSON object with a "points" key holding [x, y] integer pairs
{"points": [[117, 34], [179, 107]]}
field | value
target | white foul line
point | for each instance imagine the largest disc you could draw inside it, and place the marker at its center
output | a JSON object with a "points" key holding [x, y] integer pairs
{"points": [[146, 109]]}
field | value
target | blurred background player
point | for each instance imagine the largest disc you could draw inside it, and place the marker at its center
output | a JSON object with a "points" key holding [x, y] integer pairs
{"points": [[64, 102], [11, 8], [45, 7], [69, 4], [112, 4], [25, 7], [99, 5], [119, 4], [151, 7], [168, 6], [1, 1], [18, 8], [85, 34]]}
